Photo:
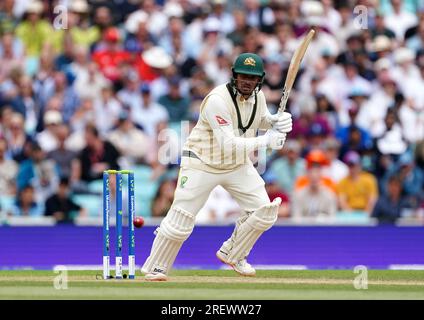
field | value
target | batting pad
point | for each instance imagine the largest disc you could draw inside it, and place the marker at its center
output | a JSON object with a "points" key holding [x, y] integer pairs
{"points": [[175, 228], [249, 232]]}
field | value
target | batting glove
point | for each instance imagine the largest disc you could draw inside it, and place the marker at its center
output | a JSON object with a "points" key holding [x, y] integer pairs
{"points": [[274, 139], [282, 123]]}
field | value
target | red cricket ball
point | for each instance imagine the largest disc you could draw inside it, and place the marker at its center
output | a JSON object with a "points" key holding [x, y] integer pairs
{"points": [[138, 222]]}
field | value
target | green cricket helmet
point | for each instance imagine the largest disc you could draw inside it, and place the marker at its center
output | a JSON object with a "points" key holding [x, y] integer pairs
{"points": [[248, 63]]}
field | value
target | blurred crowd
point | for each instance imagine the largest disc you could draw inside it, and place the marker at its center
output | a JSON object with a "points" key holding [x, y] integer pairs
{"points": [[89, 85]]}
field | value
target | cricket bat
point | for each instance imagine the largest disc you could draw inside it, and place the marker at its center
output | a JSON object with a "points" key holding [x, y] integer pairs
{"points": [[294, 68]]}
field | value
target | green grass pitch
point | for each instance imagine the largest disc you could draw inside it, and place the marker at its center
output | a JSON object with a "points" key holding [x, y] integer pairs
{"points": [[217, 284]]}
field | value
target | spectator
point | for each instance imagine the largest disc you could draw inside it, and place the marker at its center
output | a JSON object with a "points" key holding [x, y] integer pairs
{"points": [[358, 191], [389, 206], [111, 55], [82, 33], [64, 158], [258, 16], [34, 31], [347, 27], [90, 81], [132, 144], [336, 170], [274, 191], [220, 207], [6, 115], [380, 27], [80, 63], [150, 115], [43, 75], [317, 132], [65, 59], [26, 204], [59, 85], [419, 155], [219, 69], [84, 115], [154, 64], [353, 136], [8, 171], [399, 20], [97, 156], [106, 110], [60, 205], [281, 43], [405, 72], [332, 16], [157, 20], [26, 104], [225, 18], [354, 111], [11, 53], [47, 139], [381, 47], [240, 28], [316, 161], [139, 37], [213, 42], [38, 172], [274, 81], [416, 42], [9, 87], [102, 19], [288, 166], [325, 113], [183, 56], [353, 43], [16, 137], [314, 200], [323, 40], [129, 95], [163, 198], [8, 17], [340, 87], [176, 104], [390, 145], [411, 178]]}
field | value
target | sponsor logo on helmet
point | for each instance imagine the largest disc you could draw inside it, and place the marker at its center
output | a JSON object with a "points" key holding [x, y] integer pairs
{"points": [[249, 62]]}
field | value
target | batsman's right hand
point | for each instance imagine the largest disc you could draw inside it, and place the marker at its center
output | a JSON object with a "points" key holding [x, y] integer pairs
{"points": [[275, 139]]}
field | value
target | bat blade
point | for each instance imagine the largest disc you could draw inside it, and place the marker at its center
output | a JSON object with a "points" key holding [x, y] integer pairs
{"points": [[294, 68]]}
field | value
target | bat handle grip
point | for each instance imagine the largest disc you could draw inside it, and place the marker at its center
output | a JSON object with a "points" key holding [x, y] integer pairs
{"points": [[283, 102], [282, 107]]}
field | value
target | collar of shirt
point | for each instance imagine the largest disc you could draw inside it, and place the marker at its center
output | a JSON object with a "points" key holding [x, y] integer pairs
{"points": [[241, 99]]}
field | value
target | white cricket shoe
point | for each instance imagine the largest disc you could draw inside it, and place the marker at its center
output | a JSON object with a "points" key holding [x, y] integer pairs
{"points": [[156, 276], [242, 267]]}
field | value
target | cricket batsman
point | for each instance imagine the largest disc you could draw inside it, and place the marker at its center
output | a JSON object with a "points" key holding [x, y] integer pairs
{"points": [[217, 153]]}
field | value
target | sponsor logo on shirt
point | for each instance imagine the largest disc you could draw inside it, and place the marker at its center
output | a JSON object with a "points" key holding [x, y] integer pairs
{"points": [[221, 121], [183, 181]]}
